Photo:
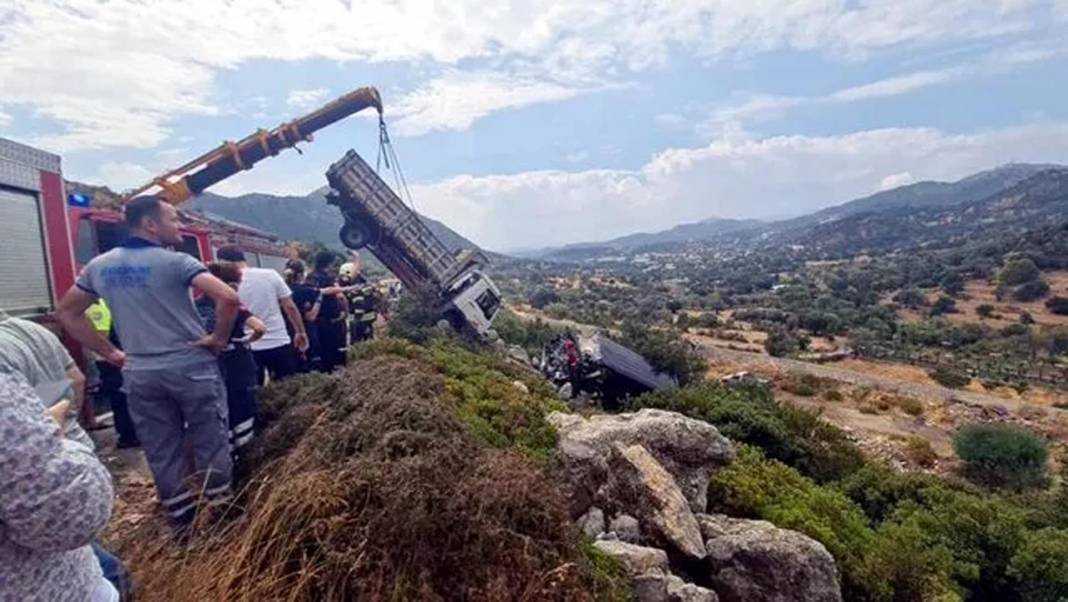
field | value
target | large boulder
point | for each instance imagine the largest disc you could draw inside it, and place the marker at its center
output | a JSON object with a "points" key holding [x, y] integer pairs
{"points": [[689, 449], [656, 587], [638, 485], [638, 560], [755, 561]]}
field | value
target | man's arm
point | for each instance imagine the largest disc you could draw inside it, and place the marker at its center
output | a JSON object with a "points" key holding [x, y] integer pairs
{"points": [[71, 314], [57, 495], [226, 305], [300, 337]]}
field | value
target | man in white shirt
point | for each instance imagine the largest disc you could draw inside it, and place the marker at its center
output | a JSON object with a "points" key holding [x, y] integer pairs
{"points": [[267, 296]]}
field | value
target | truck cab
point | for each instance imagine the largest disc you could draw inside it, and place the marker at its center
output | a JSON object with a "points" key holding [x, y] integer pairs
{"points": [[473, 303]]}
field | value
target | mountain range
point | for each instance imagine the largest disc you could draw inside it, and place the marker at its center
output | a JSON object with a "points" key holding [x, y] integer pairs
{"points": [[306, 218], [1015, 196]]}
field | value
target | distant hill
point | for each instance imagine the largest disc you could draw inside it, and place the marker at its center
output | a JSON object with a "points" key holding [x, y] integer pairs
{"points": [[1035, 202], [703, 230], [305, 218], [1011, 197]]}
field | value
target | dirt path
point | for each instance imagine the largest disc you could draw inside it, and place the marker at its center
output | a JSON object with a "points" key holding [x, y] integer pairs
{"points": [[920, 391]]}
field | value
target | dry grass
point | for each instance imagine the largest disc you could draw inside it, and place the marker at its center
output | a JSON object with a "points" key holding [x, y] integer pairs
{"points": [[367, 486]]}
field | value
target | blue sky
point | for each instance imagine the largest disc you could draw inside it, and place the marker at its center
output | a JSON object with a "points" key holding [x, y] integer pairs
{"points": [[526, 124]]}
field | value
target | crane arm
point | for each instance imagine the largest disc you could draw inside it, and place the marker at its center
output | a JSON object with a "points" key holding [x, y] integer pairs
{"points": [[180, 184]]}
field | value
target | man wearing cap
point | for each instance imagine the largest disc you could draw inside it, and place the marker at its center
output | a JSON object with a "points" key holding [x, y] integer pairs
{"points": [[174, 390], [267, 296]]}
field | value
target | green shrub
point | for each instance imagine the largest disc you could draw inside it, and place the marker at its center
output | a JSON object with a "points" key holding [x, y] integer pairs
{"points": [[751, 415], [1041, 566], [896, 562], [757, 487], [1017, 271], [904, 562], [1000, 454], [530, 335], [833, 395], [879, 491], [982, 532], [1031, 291], [984, 310], [943, 305], [910, 406], [1058, 305], [950, 378], [919, 450]]}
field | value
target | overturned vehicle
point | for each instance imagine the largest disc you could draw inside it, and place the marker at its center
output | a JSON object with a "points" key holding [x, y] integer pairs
{"points": [[596, 367]]}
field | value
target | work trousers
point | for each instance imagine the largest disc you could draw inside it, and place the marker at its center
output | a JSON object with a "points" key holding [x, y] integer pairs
{"points": [[279, 362], [239, 371], [112, 390], [332, 344], [182, 403]]}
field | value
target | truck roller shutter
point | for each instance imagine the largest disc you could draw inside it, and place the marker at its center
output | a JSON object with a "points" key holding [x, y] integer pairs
{"points": [[24, 278]]}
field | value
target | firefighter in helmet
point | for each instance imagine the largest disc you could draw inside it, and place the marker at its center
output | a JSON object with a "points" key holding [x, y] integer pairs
{"points": [[363, 300]]}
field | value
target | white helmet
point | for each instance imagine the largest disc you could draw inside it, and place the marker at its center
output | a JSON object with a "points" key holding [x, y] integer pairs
{"points": [[348, 271]]}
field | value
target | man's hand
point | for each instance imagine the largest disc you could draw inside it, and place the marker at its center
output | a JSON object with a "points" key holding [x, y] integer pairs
{"points": [[300, 341], [210, 343], [59, 414], [116, 357]]}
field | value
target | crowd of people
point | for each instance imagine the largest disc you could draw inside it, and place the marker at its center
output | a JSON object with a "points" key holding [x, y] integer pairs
{"points": [[181, 349]]}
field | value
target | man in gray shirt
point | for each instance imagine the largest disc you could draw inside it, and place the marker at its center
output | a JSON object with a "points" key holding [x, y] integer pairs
{"points": [[173, 384]]}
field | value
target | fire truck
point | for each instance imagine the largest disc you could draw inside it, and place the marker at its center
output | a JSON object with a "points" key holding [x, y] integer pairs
{"points": [[51, 229]]}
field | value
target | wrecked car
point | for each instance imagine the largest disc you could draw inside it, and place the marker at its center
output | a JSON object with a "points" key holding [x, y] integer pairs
{"points": [[599, 368]]}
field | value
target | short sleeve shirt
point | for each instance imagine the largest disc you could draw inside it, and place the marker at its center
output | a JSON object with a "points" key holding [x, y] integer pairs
{"points": [[148, 291], [261, 290], [330, 309]]}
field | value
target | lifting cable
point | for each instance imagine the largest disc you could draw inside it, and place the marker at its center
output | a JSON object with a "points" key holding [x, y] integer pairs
{"points": [[387, 154]]}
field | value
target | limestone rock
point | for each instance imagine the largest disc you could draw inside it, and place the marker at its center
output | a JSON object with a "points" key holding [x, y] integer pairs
{"points": [[657, 587], [640, 486], [755, 561], [626, 527], [689, 449], [638, 560], [592, 523], [521, 386]]}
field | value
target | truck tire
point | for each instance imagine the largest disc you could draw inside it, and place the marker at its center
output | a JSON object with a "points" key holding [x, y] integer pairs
{"points": [[357, 234]]}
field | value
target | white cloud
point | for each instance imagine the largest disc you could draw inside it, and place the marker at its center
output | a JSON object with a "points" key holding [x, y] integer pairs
{"points": [[457, 99], [895, 180], [116, 74], [122, 175], [759, 108], [306, 99], [4, 118], [894, 86], [728, 178]]}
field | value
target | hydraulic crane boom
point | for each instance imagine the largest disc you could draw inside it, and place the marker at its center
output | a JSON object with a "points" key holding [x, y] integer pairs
{"points": [[179, 185]]}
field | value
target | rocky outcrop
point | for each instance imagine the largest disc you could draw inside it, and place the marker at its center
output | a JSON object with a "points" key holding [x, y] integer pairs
{"points": [[626, 528], [638, 485], [755, 561], [638, 560], [689, 449], [592, 523]]}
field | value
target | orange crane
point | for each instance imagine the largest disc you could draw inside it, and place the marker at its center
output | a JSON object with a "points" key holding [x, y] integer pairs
{"points": [[180, 184]]}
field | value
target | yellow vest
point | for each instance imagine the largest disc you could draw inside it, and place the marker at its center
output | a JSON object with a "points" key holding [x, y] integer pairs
{"points": [[100, 316]]}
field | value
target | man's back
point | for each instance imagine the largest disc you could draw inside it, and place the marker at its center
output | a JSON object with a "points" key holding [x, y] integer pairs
{"points": [[34, 352], [147, 289], [260, 291]]}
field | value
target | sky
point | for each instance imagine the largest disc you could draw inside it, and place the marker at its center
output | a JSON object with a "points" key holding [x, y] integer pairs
{"points": [[529, 124]]}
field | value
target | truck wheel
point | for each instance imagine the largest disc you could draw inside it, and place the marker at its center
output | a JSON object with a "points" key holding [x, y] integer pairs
{"points": [[357, 234]]}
